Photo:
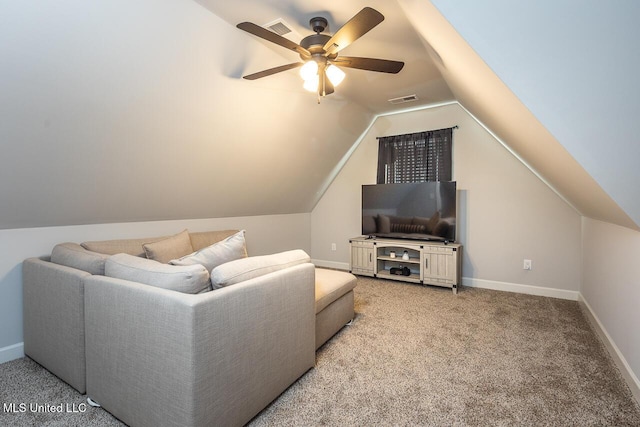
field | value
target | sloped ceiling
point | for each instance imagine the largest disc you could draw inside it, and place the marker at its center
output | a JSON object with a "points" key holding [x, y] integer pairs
{"points": [[119, 110], [395, 38], [558, 83]]}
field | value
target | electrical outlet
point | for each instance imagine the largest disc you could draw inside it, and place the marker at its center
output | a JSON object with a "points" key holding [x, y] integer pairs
{"points": [[527, 264], [333, 247]]}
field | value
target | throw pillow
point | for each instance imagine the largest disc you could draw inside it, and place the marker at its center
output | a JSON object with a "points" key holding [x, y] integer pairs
{"points": [[248, 268], [167, 249], [229, 249], [74, 255], [119, 246], [202, 239], [191, 279]]}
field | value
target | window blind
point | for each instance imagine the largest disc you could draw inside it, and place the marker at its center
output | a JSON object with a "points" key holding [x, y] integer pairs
{"points": [[415, 157]]}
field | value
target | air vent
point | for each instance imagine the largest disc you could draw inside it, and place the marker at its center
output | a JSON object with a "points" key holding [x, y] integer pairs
{"points": [[278, 27], [403, 99], [282, 28]]}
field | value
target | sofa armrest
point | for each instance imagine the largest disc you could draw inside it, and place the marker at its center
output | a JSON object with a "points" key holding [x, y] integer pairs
{"points": [[160, 357], [53, 307]]}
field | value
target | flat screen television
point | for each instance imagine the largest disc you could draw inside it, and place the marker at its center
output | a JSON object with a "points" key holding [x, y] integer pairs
{"points": [[420, 211]]}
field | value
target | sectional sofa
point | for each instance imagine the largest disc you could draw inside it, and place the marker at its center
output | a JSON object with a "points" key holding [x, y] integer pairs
{"points": [[182, 330]]}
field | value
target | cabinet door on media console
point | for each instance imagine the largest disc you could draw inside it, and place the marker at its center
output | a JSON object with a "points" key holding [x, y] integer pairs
{"points": [[362, 257], [440, 265]]}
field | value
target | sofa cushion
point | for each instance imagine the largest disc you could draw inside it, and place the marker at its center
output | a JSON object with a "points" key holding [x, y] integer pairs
{"points": [[331, 285], [247, 268], [170, 248], [202, 239], [74, 255], [120, 246], [229, 249], [199, 240], [191, 279]]}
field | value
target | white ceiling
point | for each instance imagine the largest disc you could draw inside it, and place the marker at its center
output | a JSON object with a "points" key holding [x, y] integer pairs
{"points": [[395, 38]]}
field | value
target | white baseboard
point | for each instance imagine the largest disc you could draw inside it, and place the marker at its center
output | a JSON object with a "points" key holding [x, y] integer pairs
{"points": [[11, 352], [624, 368], [521, 289], [481, 283], [331, 264]]}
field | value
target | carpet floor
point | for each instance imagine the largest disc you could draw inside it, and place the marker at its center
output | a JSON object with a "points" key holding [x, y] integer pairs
{"points": [[416, 356]]}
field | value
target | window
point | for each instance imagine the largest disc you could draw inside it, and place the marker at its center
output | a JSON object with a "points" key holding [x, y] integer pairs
{"points": [[415, 157]]}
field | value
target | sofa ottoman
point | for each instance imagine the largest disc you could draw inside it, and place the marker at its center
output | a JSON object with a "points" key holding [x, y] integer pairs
{"points": [[334, 302]]}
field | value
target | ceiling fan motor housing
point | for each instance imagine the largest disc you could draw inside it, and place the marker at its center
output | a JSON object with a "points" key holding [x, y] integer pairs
{"points": [[315, 44], [318, 24]]}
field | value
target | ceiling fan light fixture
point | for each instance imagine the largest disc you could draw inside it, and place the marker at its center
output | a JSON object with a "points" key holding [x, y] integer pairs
{"points": [[335, 75], [311, 84], [309, 71]]}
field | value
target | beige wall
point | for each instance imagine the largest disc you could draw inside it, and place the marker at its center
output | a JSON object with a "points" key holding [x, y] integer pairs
{"points": [[611, 287], [505, 213]]}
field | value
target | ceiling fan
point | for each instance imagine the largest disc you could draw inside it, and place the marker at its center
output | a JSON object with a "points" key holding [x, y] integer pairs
{"points": [[319, 52]]}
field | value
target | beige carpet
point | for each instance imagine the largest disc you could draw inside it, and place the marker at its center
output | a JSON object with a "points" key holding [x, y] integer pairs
{"points": [[423, 356], [419, 356]]}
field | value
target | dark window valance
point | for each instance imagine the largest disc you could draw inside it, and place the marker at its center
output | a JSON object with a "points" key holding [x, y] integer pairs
{"points": [[415, 157]]}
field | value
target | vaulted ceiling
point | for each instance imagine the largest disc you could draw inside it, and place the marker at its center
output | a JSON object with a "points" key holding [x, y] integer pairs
{"points": [[395, 38], [120, 110], [558, 81]]}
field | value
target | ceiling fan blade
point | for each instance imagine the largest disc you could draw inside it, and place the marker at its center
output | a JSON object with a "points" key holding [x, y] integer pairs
{"points": [[265, 34], [271, 71], [355, 28], [370, 64]]}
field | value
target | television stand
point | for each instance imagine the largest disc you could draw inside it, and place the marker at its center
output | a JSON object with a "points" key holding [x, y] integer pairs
{"points": [[415, 261]]}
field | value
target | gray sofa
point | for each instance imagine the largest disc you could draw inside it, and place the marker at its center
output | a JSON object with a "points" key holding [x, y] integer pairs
{"points": [[154, 356]]}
